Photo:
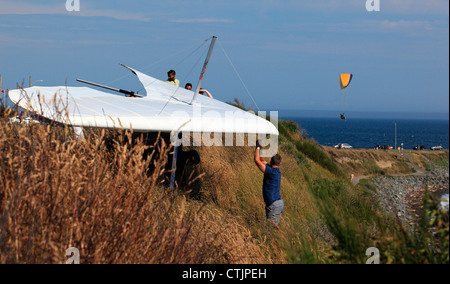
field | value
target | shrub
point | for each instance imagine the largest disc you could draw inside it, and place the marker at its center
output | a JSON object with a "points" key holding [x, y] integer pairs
{"points": [[101, 198]]}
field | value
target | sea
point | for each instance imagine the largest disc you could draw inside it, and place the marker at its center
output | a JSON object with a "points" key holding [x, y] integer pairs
{"points": [[366, 133]]}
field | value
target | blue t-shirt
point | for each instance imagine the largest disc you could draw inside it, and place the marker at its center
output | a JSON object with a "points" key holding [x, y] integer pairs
{"points": [[272, 185]]}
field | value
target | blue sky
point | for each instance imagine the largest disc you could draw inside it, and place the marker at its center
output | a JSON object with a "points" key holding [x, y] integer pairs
{"points": [[288, 53]]}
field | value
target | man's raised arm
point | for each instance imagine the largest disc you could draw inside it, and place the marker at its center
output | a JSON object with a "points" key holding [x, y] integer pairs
{"points": [[260, 161]]}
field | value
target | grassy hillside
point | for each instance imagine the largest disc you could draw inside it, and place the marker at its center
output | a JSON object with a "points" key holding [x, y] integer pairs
{"points": [[99, 196], [371, 162], [327, 219], [379, 162]]}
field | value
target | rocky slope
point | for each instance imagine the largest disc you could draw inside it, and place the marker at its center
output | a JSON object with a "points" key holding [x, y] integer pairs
{"points": [[402, 196]]}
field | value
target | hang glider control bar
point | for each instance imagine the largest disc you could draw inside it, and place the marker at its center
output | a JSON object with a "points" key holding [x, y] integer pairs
{"points": [[129, 93]]}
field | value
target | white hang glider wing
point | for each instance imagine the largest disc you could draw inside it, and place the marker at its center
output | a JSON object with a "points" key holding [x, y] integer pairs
{"points": [[165, 108]]}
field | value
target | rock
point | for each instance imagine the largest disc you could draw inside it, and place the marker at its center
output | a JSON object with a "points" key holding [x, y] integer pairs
{"points": [[398, 194]]}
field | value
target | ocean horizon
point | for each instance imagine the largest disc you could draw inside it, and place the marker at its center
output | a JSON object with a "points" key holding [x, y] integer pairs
{"points": [[375, 115], [367, 133]]}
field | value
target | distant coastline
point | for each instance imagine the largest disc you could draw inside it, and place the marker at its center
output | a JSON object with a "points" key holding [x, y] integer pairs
{"points": [[366, 133]]}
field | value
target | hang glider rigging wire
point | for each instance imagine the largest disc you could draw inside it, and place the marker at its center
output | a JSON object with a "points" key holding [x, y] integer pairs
{"points": [[184, 59], [239, 76], [192, 69], [195, 47], [235, 70]]}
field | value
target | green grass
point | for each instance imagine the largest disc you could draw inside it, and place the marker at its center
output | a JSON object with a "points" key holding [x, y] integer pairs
{"points": [[367, 184], [372, 168], [352, 216], [437, 161], [315, 152]]}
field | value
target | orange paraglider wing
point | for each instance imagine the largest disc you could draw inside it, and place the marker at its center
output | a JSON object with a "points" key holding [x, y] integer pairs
{"points": [[346, 80]]}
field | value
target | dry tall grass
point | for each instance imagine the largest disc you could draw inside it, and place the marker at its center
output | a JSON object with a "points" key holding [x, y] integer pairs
{"points": [[102, 197], [57, 193]]}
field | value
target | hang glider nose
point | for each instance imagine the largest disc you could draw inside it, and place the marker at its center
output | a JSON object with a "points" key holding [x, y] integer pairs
{"points": [[145, 80], [158, 89]]}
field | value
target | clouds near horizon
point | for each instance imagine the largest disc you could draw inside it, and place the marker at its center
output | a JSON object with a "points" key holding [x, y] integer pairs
{"points": [[405, 46]]}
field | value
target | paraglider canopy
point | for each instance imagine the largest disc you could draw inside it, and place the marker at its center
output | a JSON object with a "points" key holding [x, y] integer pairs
{"points": [[346, 80]]}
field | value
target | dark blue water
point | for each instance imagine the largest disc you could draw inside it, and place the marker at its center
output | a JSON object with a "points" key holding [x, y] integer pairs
{"points": [[366, 133]]}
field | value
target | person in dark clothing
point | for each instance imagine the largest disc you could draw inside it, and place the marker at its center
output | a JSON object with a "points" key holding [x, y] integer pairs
{"points": [[271, 186]]}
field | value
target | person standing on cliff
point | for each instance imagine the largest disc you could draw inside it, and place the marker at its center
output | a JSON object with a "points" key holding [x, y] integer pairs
{"points": [[271, 185]]}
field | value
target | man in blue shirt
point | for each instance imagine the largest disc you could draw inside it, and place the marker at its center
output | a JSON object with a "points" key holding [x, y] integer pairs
{"points": [[271, 186]]}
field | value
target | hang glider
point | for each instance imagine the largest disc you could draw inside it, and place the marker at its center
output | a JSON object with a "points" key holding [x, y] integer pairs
{"points": [[164, 108]]}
